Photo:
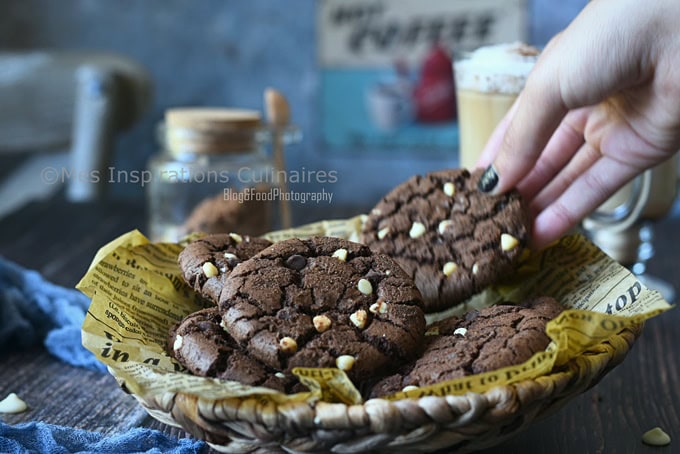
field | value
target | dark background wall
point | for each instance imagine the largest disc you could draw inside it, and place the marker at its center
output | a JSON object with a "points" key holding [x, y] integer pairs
{"points": [[225, 52]]}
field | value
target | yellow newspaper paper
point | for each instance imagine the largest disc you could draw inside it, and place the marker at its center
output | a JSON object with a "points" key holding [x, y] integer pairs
{"points": [[138, 293]]}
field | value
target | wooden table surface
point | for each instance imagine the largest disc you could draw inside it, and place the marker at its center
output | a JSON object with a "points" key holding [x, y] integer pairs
{"points": [[60, 239]]}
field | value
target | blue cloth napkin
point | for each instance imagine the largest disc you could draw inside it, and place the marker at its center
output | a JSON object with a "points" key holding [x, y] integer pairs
{"points": [[34, 310], [38, 437]]}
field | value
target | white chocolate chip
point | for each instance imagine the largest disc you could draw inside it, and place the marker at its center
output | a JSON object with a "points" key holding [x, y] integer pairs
{"points": [[379, 307], [460, 332], [417, 229], [475, 268], [340, 254], [178, 342], [321, 323], [359, 318], [230, 256], [387, 272], [236, 237], [280, 375], [12, 404], [210, 270], [441, 228], [365, 286], [382, 233], [508, 242], [449, 268], [656, 437], [224, 325], [345, 362], [288, 345], [409, 388], [449, 189], [376, 211]]}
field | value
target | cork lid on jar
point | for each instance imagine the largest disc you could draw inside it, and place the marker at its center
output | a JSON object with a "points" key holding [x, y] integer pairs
{"points": [[211, 130]]}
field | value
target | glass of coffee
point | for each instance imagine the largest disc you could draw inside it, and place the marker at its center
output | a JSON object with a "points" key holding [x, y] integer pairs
{"points": [[623, 225], [488, 81]]}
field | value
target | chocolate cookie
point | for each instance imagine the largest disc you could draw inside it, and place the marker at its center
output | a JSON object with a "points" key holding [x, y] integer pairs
{"points": [[251, 215], [452, 239], [324, 302], [482, 341], [206, 262], [201, 345]]}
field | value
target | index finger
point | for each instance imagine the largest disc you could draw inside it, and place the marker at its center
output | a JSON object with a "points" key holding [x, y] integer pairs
{"points": [[539, 111]]}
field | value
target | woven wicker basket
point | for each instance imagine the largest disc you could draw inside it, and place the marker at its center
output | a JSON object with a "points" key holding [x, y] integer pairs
{"points": [[461, 423]]}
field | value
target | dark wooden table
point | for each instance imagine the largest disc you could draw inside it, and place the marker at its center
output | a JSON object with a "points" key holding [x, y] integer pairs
{"points": [[60, 239]]}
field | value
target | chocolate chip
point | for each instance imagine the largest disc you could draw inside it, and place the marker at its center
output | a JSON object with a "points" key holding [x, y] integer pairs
{"points": [[296, 262], [473, 314], [374, 276]]}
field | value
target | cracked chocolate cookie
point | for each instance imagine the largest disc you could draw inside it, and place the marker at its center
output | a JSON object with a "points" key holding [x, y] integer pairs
{"points": [[482, 341], [324, 302], [206, 262], [201, 345], [452, 239]]}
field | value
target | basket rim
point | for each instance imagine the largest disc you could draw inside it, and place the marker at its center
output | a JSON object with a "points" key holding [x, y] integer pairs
{"points": [[204, 418]]}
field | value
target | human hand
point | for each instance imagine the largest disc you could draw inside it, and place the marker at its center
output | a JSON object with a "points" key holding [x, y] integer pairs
{"points": [[601, 106]]}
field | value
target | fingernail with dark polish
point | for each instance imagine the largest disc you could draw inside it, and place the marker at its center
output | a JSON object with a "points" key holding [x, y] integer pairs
{"points": [[489, 180]]}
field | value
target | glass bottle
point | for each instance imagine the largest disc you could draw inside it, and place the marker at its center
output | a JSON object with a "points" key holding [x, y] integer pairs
{"points": [[215, 174]]}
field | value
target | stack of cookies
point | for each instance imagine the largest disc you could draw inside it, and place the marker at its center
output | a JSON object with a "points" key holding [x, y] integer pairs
{"points": [[328, 302]]}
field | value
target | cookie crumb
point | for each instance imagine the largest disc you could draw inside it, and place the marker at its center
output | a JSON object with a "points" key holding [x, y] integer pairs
{"points": [[656, 437], [12, 404]]}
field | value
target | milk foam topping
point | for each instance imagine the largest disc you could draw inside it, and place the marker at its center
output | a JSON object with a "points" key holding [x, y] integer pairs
{"points": [[501, 68]]}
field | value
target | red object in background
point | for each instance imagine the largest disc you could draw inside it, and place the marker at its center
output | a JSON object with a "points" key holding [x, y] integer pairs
{"points": [[435, 94]]}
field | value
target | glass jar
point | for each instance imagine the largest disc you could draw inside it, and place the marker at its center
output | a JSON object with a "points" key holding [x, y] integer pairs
{"points": [[215, 173]]}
